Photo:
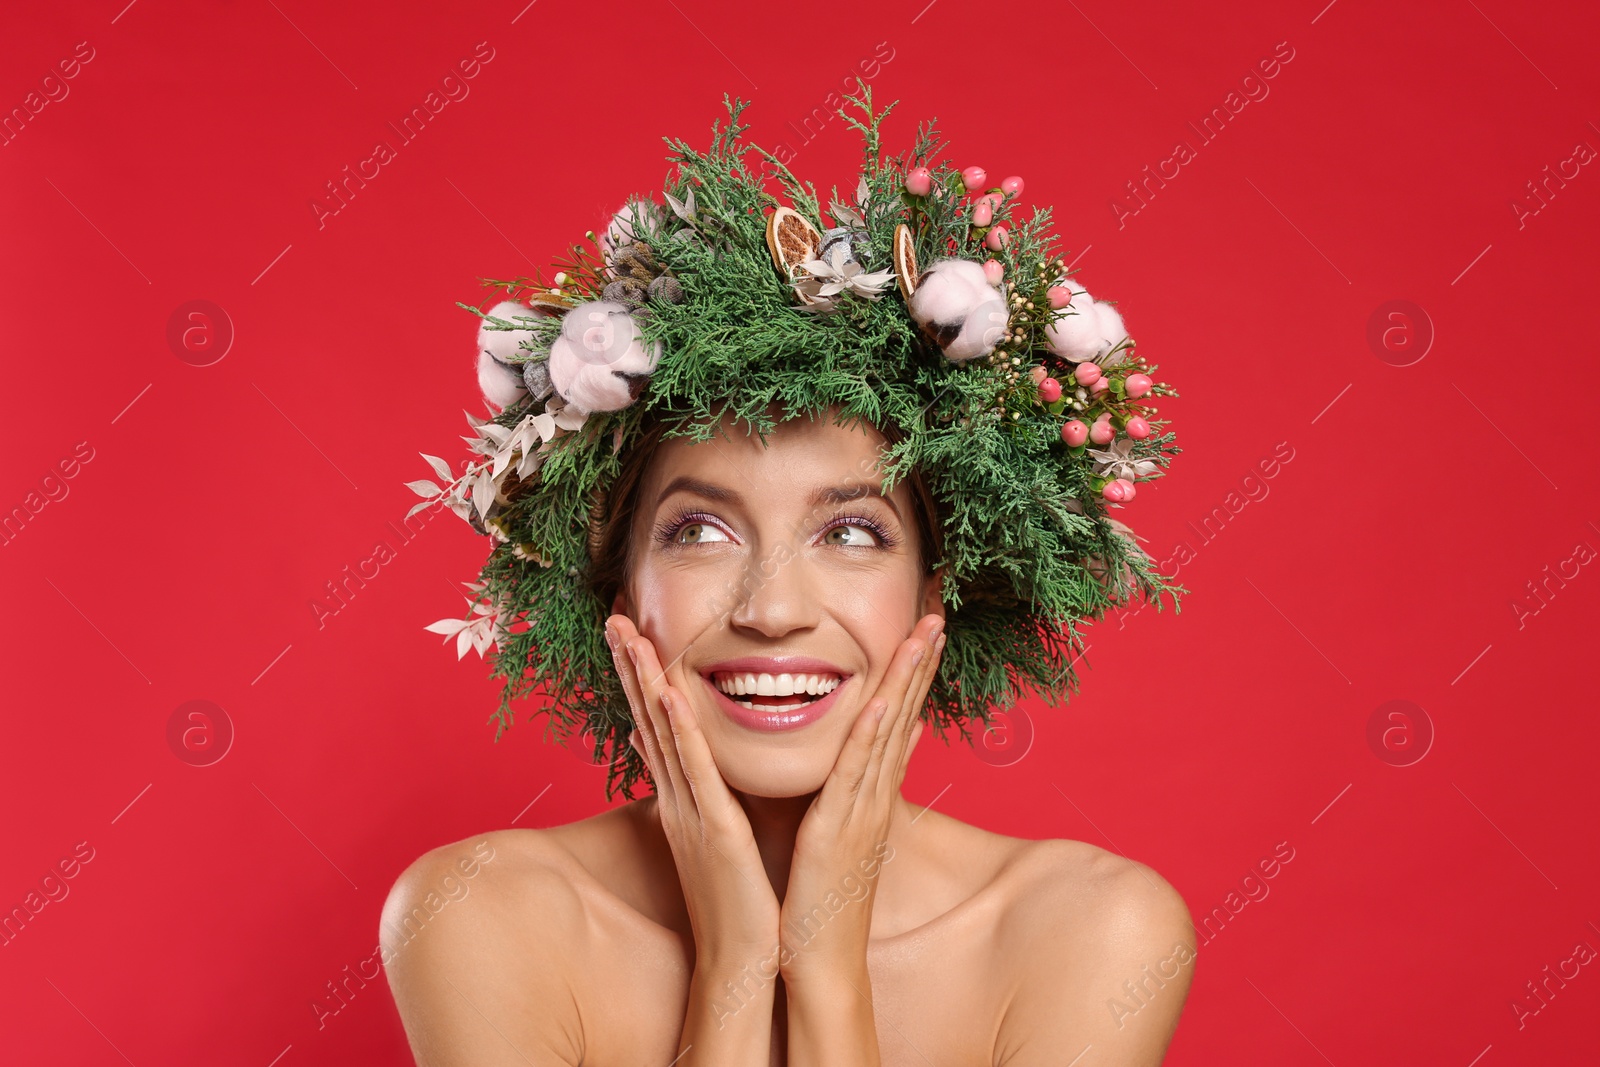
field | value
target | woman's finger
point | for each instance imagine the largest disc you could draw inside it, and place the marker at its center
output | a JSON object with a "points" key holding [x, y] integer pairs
{"points": [[897, 691], [712, 798], [844, 781], [648, 745], [905, 741], [651, 679]]}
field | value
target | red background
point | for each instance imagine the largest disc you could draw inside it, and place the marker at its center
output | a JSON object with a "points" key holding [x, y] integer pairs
{"points": [[1384, 564]]}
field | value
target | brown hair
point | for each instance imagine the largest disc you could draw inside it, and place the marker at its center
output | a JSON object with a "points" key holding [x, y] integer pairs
{"points": [[611, 517]]}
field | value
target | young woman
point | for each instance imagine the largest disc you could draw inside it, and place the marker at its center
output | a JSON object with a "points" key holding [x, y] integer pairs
{"points": [[776, 626]]}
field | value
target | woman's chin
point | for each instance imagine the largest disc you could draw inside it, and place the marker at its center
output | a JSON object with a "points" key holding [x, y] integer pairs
{"points": [[775, 777]]}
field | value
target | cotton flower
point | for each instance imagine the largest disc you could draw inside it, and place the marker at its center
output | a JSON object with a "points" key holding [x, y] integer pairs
{"points": [[959, 310], [601, 361], [501, 379], [1090, 330]]}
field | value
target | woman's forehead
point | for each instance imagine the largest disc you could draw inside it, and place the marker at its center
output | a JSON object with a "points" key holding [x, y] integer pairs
{"points": [[800, 452]]}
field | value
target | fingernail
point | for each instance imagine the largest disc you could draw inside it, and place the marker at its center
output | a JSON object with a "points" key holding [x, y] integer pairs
{"points": [[938, 628], [666, 702], [883, 707], [916, 657], [939, 645], [633, 657], [611, 637]]}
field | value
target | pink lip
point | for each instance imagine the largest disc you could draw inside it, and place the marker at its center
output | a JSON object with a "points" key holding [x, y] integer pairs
{"points": [[776, 665], [769, 721]]}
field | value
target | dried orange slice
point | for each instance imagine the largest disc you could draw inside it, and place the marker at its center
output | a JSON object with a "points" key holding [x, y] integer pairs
{"points": [[549, 303], [905, 261], [792, 240]]}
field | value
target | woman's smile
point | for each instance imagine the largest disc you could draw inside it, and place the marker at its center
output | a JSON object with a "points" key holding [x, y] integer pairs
{"points": [[774, 692]]}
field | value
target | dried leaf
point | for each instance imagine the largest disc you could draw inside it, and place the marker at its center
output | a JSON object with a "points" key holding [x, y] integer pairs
{"points": [[423, 487], [684, 208], [440, 467], [483, 493]]}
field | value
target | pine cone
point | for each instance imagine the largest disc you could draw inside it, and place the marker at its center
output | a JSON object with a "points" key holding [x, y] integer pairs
{"points": [[638, 278], [536, 376]]}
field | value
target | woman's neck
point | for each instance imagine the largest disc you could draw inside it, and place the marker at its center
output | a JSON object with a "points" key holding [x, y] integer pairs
{"points": [[775, 821]]}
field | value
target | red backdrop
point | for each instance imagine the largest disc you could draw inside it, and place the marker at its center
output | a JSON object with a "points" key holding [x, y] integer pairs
{"points": [[1377, 502]]}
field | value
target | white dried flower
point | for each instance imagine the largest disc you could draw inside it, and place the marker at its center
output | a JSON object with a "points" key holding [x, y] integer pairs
{"points": [[1116, 461], [827, 278]]}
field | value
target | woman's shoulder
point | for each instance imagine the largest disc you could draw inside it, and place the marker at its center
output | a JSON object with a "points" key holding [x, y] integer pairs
{"points": [[1073, 892], [1123, 905], [512, 872], [1095, 938], [492, 870]]}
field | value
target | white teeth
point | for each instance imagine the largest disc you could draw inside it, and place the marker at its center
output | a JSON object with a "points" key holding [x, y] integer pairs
{"points": [[780, 685]]}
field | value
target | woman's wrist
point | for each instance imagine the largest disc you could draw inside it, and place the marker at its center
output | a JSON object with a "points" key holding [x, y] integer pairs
{"points": [[729, 1016], [738, 966], [825, 973], [830, 1018]]}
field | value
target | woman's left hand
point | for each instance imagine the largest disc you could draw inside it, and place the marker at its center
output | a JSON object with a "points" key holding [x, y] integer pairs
{"points": [[843, 838]]}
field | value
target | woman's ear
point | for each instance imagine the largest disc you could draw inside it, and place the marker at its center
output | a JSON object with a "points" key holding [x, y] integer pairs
{"points": [[932, 601], [619, 603]]}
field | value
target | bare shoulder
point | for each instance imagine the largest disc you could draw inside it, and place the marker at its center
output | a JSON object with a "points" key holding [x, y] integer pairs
{"points": [[472, 939], [493, 867], [1086, 891], [1105, 949]]}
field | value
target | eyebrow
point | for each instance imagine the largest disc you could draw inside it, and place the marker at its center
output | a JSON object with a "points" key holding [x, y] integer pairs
{"points": [[832, 494]]}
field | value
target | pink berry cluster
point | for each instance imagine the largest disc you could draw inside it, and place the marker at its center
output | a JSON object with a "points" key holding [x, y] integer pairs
{"points": [[1091, 384]]}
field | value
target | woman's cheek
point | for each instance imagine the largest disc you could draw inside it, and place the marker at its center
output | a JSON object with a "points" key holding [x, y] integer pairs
{"points": [[878, 606], [678, 602]]}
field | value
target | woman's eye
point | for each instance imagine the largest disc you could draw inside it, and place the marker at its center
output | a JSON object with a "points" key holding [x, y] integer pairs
{"points": [[696, 533], [854, 536]]}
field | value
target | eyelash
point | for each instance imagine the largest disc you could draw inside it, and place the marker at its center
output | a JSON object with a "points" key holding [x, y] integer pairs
{"points": [[668, 529]]}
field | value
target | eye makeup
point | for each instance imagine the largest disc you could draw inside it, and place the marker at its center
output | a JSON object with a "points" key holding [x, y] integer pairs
{"points": [[666, 530]]}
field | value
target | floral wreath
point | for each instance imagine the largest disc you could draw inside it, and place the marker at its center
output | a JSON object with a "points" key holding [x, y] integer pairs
{"points": [[1018, 396]]}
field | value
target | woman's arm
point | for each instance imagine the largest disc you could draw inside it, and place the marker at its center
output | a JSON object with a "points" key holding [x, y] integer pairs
{"points": [[733, 909], [833, 879]]}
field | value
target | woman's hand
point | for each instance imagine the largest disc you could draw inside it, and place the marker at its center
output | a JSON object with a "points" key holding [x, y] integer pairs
{"points": [[731, 903], [843, 839]]}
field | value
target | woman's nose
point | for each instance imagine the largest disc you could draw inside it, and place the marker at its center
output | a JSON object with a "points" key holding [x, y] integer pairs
{"points": [[775, 593]]}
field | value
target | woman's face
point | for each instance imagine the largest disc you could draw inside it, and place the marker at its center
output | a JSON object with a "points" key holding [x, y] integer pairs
{"points": [[745, 553]]}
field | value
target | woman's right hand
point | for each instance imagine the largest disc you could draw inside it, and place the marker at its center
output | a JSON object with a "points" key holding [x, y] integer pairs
{"points": [[732, 906]]}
